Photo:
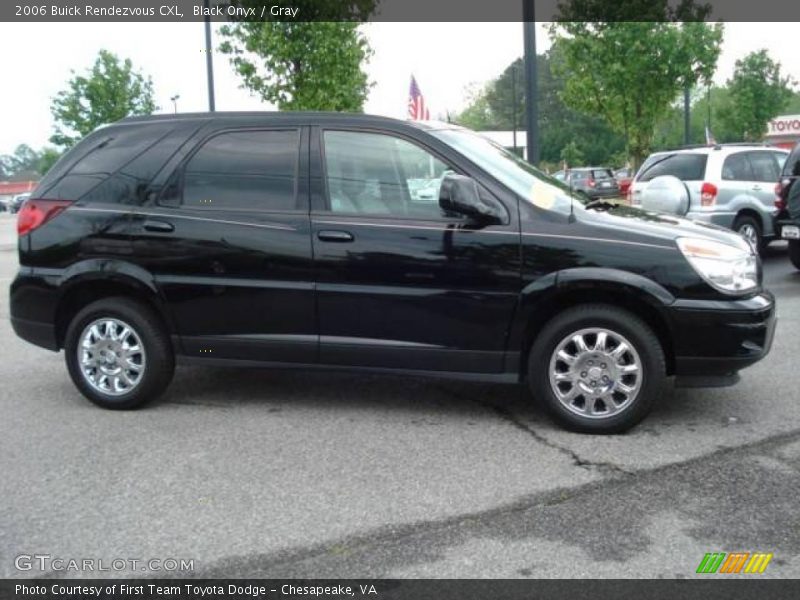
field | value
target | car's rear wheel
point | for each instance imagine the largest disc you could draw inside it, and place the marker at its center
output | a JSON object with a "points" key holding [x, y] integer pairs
{"points": [[597, 369], [118, 354], [794, 253], [750, 229]]}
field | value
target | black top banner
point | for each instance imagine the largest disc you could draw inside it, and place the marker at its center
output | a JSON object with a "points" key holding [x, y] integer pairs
{"points": [[396, 10], [712, 588]]}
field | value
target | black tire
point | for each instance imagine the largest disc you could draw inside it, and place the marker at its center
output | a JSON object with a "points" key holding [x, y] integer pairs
{"points": [[794, 253], [620, 322], [159, 364], [746, 221]]}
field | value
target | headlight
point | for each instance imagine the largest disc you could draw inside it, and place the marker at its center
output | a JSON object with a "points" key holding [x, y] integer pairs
{"points": [[726, 267]]}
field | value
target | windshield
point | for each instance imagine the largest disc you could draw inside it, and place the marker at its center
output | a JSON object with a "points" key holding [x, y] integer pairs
{"points": [[530, 183]]}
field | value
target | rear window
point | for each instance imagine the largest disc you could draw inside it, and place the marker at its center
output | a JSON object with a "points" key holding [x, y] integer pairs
{"points": [[602, 174], [684, 166]]}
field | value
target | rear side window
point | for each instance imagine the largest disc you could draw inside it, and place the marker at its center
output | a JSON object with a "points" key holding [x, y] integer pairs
{"points": [[737, 168], [244, 170], [764, 165], [684, 166], [101, 155]]}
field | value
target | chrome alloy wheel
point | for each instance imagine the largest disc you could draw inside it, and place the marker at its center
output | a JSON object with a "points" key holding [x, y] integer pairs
{"points": [[111, 356], [595, 373], [749, 232]]}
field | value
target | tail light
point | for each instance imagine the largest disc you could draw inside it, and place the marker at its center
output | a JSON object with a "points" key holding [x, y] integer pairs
{"points": [[780, 203], [591, 182], [36, 212], [708, 194]]}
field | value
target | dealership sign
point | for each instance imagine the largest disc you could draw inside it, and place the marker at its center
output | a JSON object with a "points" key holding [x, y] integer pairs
{"points": [[784, 125]]}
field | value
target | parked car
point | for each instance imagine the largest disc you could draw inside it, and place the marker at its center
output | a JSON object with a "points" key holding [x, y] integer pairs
{"points": [[292, 240], [624, 177], [731, 185], [787, 221], [16, 202], [595, 182]]}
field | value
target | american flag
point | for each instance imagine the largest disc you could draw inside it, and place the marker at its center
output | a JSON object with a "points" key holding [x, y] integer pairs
{"points": [[417, 111]]}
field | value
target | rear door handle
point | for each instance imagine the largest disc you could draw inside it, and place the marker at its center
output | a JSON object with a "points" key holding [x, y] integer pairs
{"points": [[756, 188], [331, 235], [158, 226]]}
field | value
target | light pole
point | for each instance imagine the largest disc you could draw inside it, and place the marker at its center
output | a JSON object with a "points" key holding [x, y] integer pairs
{"points": [[209, 58], [531, 84], [174, 100]]}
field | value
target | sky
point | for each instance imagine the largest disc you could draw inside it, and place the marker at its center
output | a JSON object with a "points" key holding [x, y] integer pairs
{"points": [[447, 60]]}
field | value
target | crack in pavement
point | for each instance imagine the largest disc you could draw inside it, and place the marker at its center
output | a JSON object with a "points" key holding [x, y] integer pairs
{"points": [[507, 415], [268, 563]]}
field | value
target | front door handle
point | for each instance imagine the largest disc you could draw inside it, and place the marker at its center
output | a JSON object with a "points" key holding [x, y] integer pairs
{"points": [[158, 226], [331, 235]]}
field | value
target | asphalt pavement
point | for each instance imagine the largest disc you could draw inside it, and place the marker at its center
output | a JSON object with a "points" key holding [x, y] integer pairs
{"points": [[283, 474]]}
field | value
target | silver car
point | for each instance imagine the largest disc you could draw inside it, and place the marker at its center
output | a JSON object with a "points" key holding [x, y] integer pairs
{"points": [[731, 185]]}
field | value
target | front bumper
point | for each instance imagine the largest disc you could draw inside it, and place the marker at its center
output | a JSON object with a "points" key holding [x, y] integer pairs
{"points": [[714, 339]]}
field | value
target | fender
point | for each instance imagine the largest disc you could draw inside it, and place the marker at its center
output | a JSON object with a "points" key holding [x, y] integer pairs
{"points": [[113, 271], [540, 295]]}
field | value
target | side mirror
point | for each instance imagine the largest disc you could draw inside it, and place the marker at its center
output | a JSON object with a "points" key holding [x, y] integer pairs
{"points": [[460, 194], [666, 194]]}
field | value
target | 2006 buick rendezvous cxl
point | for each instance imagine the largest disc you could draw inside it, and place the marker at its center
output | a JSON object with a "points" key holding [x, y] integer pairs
{"points": [[347, 241]]}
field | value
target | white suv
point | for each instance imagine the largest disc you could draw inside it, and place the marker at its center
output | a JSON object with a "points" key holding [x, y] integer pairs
{"points": [[729, 185]]}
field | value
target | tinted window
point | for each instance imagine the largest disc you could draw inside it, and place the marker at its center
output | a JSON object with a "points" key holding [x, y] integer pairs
{"points": [[379, 174], [602, 174], [737, 168], [764, 166], [792, 165], [249, 170], [686, 167], [102, 153]]}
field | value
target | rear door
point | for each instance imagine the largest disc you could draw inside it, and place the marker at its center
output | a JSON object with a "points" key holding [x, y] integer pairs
{"points": [[229, 245]]}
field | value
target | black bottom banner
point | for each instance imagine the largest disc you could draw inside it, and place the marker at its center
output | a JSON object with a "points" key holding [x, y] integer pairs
{"points": [[386, 589]]}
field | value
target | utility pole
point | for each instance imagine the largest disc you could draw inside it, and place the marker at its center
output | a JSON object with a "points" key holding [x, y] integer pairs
{"points": [[174, 100], [531, 83], [514, 103], [209, 59], [687, 124]]}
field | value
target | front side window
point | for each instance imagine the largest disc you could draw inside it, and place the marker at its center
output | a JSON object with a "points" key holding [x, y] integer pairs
{"points": [[378, 174], [244, 170]]}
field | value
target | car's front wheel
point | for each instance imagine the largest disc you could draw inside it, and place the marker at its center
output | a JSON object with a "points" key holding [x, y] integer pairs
{"points": [[597, 368], [118, 354]]}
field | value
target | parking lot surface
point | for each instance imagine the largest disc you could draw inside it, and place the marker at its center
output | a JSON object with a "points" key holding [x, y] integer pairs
{"points": [[286, 473]]}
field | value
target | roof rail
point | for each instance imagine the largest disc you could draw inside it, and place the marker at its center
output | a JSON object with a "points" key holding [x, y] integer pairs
{"points": [[717, 146]]}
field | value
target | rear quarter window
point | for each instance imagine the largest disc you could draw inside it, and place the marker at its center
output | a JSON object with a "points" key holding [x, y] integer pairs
{"points": [[114, 164], [684, 166]]}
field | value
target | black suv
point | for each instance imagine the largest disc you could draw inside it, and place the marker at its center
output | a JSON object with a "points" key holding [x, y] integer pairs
{"points": [[353, 242], [787, 221]]}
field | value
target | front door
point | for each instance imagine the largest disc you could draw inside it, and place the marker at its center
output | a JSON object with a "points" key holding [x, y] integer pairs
{"points": [[400, 283]]}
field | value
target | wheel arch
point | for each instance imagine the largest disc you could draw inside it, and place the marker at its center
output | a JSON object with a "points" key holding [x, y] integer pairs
{"points": [[88, 282], [541, 301]]}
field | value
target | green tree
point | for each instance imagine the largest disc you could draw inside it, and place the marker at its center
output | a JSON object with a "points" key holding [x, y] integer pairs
{"points": [[572, 155], [758, 92], [495, 105], [630, 73], [311, 65], [109, 91], [27, 160]]}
